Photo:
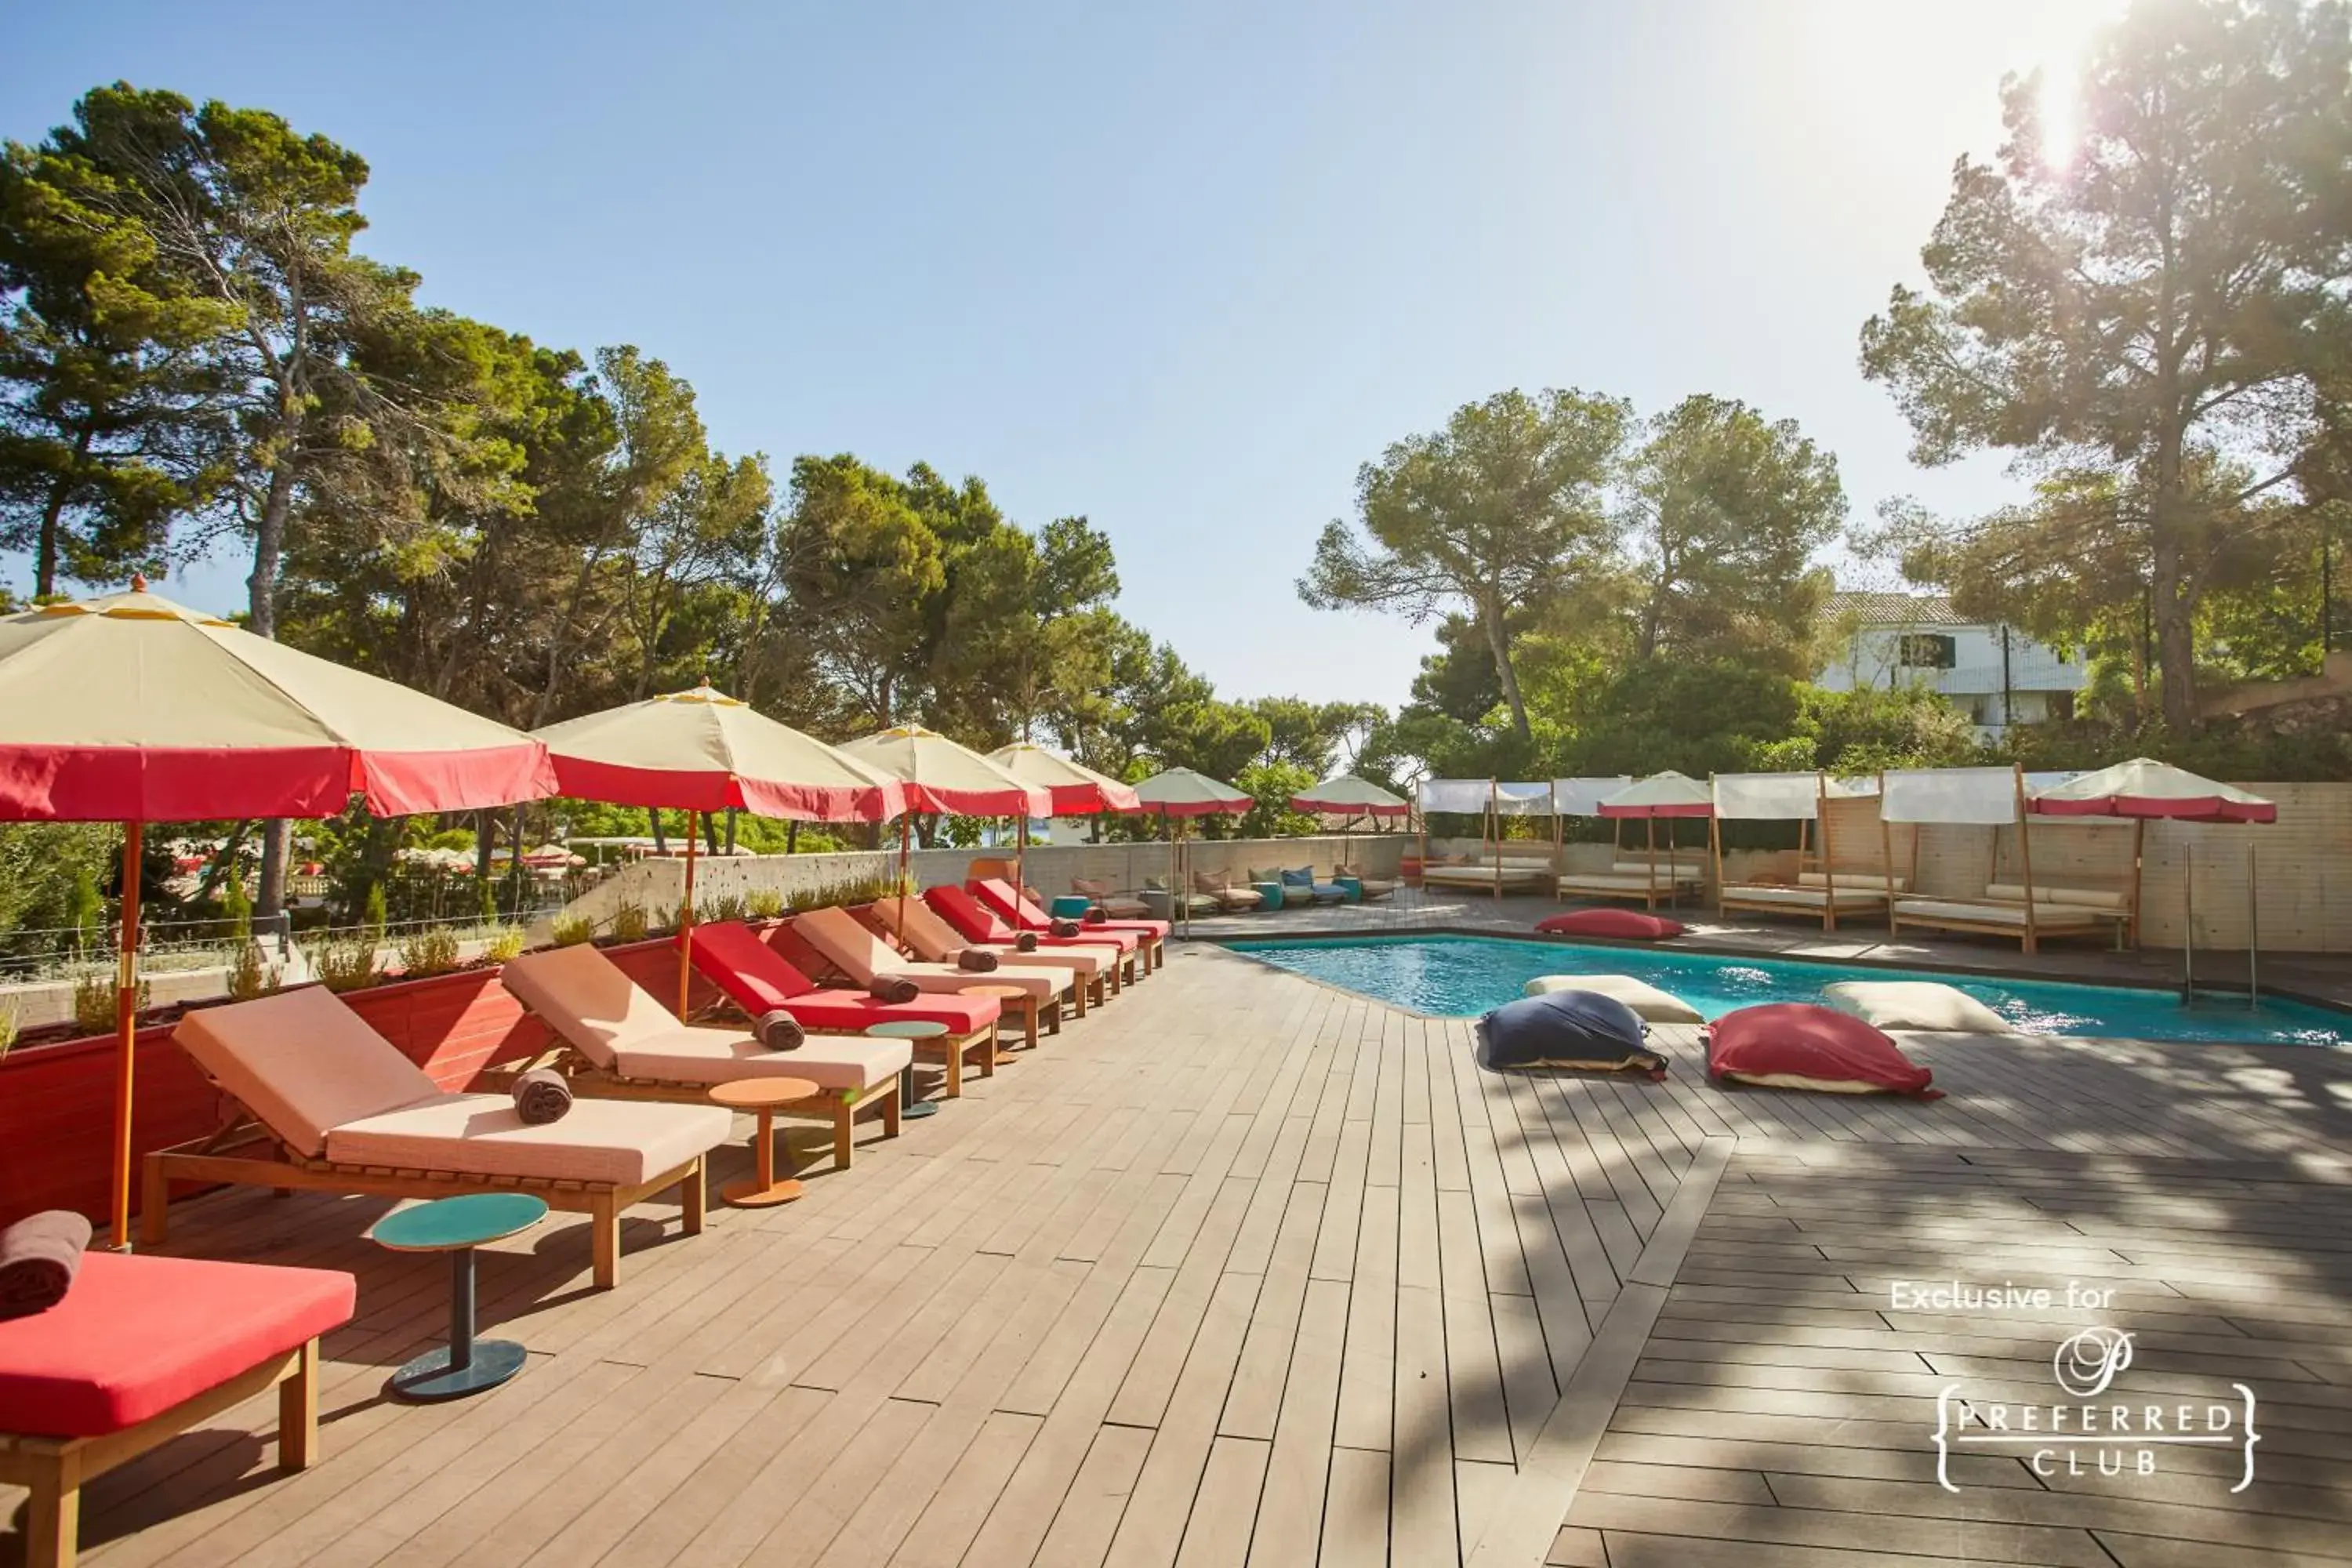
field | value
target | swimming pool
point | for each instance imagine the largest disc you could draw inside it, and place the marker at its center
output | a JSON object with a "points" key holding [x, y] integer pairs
{"points": [[1462, 976]]}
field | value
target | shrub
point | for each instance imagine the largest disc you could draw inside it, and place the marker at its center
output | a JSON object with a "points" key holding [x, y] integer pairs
{"points": [[764, 904], [721, 908], [849, 890], [345, 965], [94, 1003], [429, 952], [8, 1030], [571, 931], [505, 943], [249, 976], [372, 915], [629, 922]]}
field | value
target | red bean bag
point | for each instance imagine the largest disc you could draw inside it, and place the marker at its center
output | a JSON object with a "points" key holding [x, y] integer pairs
{"points": [[1795, 1044], [1632, 925]]}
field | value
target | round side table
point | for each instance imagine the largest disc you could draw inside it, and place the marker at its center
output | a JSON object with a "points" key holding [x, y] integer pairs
{"points": [[1004, 994], [764, 1095], [458, 1226], [910, 1030]]}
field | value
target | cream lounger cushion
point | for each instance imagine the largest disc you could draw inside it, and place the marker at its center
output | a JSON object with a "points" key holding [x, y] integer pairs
{"points": [[861, 955], [1850, 881], [926, 933], [2079, 897], [1646, 1000], [1927, 911], [615, 1140], [303, 1063], [1687, 870], [1800, 898], [616, 1024], [1915, 1005], [1616, 881]]}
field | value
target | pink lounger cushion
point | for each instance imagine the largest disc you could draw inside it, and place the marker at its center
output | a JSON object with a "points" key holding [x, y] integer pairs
{"points": [[302, 1063], [977, 922], [137, 1335], [624, 1143], [861, 955], [759, 979], [999, 896], [724, 1056]]}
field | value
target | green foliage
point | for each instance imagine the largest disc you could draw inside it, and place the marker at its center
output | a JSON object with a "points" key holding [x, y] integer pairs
{"points": [[721, 908], [430, 951], [97, 1003], [2149, 318], [1272, 785], [346, 965], [571, 931], [763, 904], [844, 891], [629, 922], [49, 876], [248, 975], [371, 919], [506, 944], [8, 1029]]}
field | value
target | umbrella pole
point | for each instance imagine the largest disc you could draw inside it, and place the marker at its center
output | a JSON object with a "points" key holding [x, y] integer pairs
{"points": [[1020, 859], [906, 851], [126, 1030], [685, 917]]}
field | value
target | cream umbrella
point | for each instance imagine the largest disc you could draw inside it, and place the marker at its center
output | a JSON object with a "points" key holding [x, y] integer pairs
{"points": [[1348, 797], [1075, 790], [1669, 795], [703, 751], [939, 776], [1180, 793], [131, 709]]}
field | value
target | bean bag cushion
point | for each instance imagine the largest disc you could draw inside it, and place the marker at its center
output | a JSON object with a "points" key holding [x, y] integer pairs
{"points": [[1575, 1029], [1796, 1045], [138, 1334], [1915, 1005], [1630, 925], [1649, 1003]]}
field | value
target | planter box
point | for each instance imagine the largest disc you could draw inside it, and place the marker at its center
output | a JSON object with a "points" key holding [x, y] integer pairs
{"points": [[56, 1101]]}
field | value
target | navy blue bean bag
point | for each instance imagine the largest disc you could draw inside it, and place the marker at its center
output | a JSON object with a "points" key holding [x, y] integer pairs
{"points": [[1579, 1030]]}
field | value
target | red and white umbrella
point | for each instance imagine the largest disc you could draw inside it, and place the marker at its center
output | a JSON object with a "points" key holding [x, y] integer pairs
{"points": [[2146, 788], [938, 774], [1181, 792], [1075, 789], [1668, 793], [703, 751], [131, 709]]}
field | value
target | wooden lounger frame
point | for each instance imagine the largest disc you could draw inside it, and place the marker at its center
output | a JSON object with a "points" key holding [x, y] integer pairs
{"points": [[1589, 885], [838, 1106], [216, 1159], [55, 1467], [2029, 931]]}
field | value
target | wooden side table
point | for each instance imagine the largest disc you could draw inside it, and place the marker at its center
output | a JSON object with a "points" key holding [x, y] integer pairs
{"points": [[910, 1030], [458, 1226], [762, 1189]]}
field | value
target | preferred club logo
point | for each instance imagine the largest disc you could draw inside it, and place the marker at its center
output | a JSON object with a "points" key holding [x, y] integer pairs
{"points": [[2100, 1427]]}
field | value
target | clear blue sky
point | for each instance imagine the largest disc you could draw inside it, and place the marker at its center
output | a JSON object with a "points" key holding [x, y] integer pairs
{"points": [[1179, 268]]}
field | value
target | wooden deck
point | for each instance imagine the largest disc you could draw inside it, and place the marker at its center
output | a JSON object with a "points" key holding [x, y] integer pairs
{"points": [[1244, 1269]]}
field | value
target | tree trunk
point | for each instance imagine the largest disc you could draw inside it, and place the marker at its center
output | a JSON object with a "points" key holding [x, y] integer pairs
{"points": [[661, 840], [45, 549], [731, 830], [1498, 642], [2176, 646]]}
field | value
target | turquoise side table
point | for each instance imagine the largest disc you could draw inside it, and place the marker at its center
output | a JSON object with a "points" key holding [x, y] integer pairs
{"points": [[458, 1226], [1070, 906], [909, 1029]]}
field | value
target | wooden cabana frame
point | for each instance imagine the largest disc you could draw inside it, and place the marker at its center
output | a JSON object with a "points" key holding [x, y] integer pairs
{"points": [[2028, 919], [1827, 901]]}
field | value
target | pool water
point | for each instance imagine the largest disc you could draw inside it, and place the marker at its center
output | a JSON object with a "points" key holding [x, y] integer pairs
{"points": [[1462, 976]]}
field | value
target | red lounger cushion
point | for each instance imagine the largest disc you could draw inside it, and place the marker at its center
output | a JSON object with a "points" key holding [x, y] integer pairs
{"points": [[759, 979], [137, 1335], [975, 921], [1632, 925], [999, 896], [1795, 1044]]}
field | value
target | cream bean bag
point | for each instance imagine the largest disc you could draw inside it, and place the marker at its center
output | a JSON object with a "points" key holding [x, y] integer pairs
{"points": [[1915, 1005], [1649, 1003]]}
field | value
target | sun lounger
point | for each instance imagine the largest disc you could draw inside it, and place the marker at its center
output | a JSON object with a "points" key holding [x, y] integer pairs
{"points": [[998, 895], [859, 956], [975, 921], [1856, 892], [1489, 875], [2111, 905], [1095, 968], [1988, 919], [1632, 880], [759, 979], [142, 1349], [618, 1041], [1227, 895], [350, 1114], [1118, 905]]}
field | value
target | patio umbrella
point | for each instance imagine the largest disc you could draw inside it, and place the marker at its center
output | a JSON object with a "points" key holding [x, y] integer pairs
{"points": [[703, 751], [1180, 793], [1348, 797], [2143, 788], [938, 775], [1075, 790], [1669, 795], [130, 709]]}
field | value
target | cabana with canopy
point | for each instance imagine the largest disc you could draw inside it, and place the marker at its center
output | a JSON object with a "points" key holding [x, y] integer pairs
{"points": [[130, 709], [1490, 800], [1179, 793], [1823, 887], [1669, 795], [1985, 798], [2142, 789], [703, 751]]}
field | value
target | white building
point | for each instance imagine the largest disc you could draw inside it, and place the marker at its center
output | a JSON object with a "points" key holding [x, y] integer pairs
{"points": [[1996, 675]]}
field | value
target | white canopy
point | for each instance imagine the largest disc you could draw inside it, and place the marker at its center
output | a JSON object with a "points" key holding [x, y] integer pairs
{"points": [[1583, 798], [1523, 799], [1760, 797], [1473, 796], [1985, 797]]}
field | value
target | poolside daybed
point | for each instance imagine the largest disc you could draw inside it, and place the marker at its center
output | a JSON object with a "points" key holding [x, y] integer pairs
{"points": [[348, 1113], [1990, 797], [1822, 888]]}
